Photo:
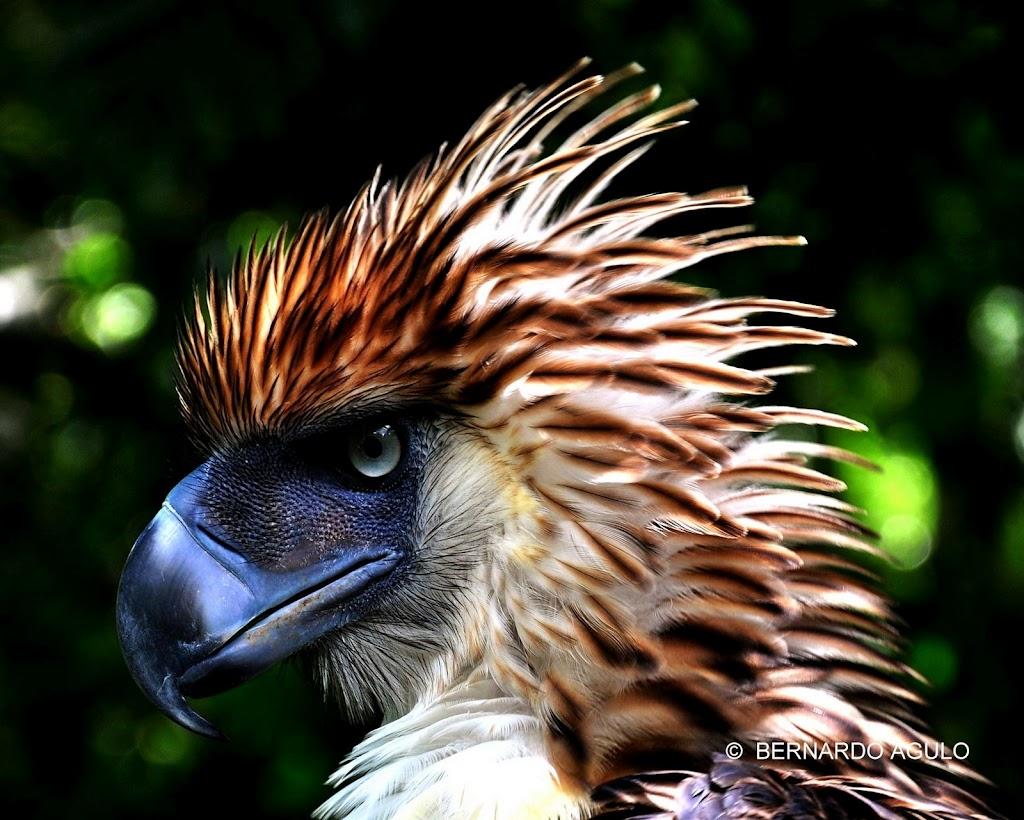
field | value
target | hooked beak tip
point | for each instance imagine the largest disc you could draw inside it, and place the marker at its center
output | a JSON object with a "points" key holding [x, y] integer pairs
{"points": [[172, 703]]}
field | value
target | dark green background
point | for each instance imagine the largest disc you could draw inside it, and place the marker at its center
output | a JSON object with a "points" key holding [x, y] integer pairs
{"points": [[139, 140]]}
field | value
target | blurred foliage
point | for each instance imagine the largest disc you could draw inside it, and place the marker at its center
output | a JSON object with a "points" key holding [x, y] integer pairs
{"points": [[138, 142]]}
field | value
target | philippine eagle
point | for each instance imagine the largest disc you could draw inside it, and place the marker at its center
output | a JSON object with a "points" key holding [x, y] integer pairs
{"points": [[506, 485]]}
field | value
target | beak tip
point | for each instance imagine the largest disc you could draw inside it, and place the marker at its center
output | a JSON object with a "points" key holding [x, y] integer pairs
{"points": [[172, 703], [157, 585], [203, 727]]}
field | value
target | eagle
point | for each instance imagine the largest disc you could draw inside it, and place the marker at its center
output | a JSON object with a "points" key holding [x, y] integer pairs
{"points": [[510, 489]]}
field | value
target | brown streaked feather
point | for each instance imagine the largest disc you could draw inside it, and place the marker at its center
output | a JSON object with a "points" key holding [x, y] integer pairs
{"points": [[740, 790]]}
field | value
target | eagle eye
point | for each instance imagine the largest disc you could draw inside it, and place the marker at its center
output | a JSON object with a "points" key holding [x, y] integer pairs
{"points": [[375, 450], [365, 455]]}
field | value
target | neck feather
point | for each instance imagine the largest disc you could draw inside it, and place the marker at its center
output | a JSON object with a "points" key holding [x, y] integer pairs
{"points": [[473, 751]]}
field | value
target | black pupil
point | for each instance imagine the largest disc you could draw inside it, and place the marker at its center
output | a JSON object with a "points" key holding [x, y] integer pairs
{"points": [[373, 446]]}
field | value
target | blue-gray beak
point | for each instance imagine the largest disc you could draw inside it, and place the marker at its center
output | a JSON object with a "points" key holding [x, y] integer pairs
{"points": [[195, 617]]}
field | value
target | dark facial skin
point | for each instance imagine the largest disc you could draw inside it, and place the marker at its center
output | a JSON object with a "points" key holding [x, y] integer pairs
{"points": [[263, 550]]}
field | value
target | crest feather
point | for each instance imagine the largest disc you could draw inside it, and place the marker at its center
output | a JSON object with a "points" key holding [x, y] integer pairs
{"points": [[481, 266]]}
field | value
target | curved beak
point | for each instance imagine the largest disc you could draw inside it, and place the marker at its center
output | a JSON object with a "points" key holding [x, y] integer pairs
{"points": [[195, 617]]}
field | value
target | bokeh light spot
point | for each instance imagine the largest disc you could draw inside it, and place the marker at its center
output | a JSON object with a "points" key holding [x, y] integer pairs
{"points": [[76, 448], [997, 324], [1018, 435], [893, 378], [908, 538], [1012, 543], [57, 394], [114, 734], [19, 294], [252, 227], [935, 658], [100, 215], [97, 260], [163, 743], [119, 316], [901, 500]]}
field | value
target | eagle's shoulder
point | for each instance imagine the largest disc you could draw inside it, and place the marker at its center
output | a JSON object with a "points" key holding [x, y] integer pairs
{"points": [[734, 789]]}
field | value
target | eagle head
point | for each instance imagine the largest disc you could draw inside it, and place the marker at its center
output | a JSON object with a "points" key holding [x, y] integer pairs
{"points": [[471, 453]]}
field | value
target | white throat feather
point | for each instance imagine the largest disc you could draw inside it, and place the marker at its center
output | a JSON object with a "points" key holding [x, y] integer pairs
{"points": [[474, 751]]}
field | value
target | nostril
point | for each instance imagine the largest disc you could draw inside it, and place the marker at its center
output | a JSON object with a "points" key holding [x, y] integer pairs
{"points": [[220, 547], [216, 539]]}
